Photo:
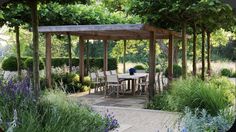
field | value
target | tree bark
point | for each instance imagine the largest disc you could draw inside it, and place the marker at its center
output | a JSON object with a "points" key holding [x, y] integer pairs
{"points": [[124, 54], [18, 55], [34, 15], [209, 53], [87, 60], [176, 49], [203, 54], [69, 52], [194, 50], [184, 53]]}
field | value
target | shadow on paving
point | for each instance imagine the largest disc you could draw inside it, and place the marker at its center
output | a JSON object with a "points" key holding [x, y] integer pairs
{"points": [[126, 101]]}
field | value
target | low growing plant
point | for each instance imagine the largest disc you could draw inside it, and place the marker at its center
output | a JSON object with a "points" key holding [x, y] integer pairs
{"points": [[201, 121], [225, 72]]}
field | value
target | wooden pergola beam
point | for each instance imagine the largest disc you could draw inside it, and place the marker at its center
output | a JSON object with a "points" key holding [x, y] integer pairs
{"points": [[48, 61]]}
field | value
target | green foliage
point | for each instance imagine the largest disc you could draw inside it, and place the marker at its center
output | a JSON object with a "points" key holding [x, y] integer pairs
{"points": [[10, 64], [28, 64], [52, 113], [234, 75], [60, 61], [214, 95], [200, 120], [225, 72], [62, 114], [139, 67], [70, 82], [177, 71], [56, 14]]}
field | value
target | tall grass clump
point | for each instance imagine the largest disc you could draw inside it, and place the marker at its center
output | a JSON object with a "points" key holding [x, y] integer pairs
{"points": [[213, 95]]}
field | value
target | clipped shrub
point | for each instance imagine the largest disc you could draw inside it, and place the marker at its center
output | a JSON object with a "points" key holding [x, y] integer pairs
{"points": [[139, 67], [225, 72], [28, 64], [177, 71], [10, 64]]}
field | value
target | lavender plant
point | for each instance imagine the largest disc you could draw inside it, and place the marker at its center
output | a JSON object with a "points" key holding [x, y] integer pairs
{"points": [[111, 122]]}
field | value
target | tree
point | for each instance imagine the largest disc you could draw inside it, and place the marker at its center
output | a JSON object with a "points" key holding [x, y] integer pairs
{"points": [[13, 18], [166, 14], [33, 4], [214, 15]]}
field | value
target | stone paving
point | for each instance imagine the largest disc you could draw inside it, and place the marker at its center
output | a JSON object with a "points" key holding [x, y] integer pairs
{"points": [[130, 112]]}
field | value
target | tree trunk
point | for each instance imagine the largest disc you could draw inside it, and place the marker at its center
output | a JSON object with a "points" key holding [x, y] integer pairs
{"points": [[87, 60], [176, 49], [194, 50], [34, 15], [18, 55], [184, 53], [69, 52], [209, 53], [203, 54]]}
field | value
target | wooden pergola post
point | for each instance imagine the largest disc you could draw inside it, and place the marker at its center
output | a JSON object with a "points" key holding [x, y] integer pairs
{"points": [[105, 57], [81, 58], [170, 57], [184, 52], [124, 56], [152, 65], [48, 61]]}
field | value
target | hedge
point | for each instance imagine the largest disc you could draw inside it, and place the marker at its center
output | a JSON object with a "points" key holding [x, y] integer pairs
{"points": [[10, 63]]}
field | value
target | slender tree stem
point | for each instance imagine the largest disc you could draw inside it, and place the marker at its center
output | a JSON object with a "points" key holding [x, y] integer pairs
{"points": [[203, 54], [18, 55], [194, 50]]}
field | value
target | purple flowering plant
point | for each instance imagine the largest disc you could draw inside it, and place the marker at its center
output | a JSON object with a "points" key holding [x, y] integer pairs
{"points": [[111, 122]]}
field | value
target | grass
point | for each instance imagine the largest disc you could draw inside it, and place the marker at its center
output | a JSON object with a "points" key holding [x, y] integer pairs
{"points": [[214, 95]]}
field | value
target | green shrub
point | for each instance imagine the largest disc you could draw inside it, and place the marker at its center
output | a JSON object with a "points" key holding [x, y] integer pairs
{"points": [[139, 67], [28, 64], [10, 64], [177, 71], [217, 94], [234, 75], [225, 72], [71, 82]]}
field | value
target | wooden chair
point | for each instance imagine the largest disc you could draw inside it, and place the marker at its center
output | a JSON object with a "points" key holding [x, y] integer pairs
{"points": [[113, 72], [113, 85], [158, 82], [101, 78], [144, 84], [94, 81], [107, 73]]}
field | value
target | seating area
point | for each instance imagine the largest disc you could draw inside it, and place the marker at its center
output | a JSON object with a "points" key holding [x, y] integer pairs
{"points": [[111, 83]]}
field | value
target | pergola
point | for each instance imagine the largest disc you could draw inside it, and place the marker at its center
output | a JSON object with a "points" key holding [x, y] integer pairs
{"points": [[113, 32]]}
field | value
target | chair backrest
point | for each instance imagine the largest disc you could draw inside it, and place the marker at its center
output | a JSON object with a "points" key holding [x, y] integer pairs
{"points": [[93, 76], [112, 79], [100, 74], [107, 73], [113, 72]]}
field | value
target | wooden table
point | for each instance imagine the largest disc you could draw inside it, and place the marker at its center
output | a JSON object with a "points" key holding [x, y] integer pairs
{"points": [[132, 78]]}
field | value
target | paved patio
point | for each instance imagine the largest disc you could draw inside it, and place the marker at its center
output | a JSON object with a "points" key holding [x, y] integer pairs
{"points": [[130, 113]]}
